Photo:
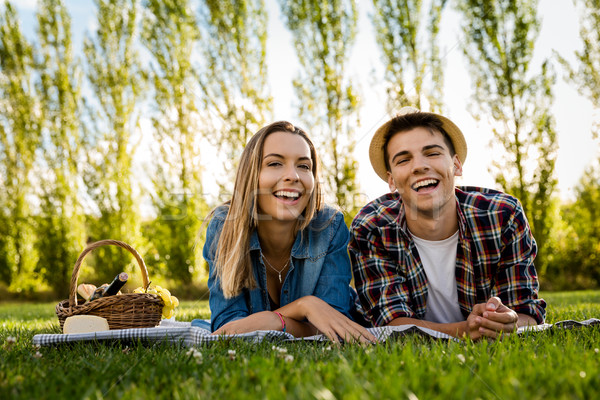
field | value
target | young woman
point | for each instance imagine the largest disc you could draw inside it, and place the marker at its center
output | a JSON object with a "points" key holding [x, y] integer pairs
{"points": [[277, 256]]}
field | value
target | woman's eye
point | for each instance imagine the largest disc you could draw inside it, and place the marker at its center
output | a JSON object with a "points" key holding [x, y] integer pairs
{"points": [[273, 164], [304, 166]]}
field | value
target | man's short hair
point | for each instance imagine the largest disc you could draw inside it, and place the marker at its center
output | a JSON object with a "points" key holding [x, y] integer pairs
{"points": [[407, 119]]}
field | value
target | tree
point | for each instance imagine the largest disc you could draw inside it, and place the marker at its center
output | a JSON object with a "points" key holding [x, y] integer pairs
{"points": [[324, 33], [499, 43], [170, 33], [62, 226], [582, 216], [113, 72], [586, 76], [577, 253], [20, 135], [234, 77], [413, 67]]}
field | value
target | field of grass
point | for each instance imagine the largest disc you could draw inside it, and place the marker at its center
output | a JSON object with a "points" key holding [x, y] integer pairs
{"points": [[557, 364]]}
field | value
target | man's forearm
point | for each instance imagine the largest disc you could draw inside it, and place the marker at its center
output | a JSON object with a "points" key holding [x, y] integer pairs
{"points": [[526, 320], [455, 329]]}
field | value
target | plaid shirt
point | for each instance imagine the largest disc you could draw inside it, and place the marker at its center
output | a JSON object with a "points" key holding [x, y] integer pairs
{"points": [[494, 257]]}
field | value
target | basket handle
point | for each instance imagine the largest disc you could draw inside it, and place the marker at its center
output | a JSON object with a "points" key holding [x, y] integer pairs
{"points": [[88, 249]]}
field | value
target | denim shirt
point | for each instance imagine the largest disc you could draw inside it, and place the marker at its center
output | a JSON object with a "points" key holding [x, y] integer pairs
{"points": [[320, 266]]}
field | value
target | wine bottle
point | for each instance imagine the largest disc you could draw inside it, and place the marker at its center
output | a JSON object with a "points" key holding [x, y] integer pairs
{"points": [[99, 292], [116, 284], [112, 289]]}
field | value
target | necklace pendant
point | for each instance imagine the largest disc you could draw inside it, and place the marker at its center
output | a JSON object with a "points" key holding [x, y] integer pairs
{"points": [[279, 271]]}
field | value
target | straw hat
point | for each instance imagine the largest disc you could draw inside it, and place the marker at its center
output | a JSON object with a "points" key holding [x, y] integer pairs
{"points": [[376, 150]]}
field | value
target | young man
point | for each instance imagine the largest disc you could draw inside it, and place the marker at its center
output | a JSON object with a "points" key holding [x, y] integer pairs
{"points": [[457, 260]]}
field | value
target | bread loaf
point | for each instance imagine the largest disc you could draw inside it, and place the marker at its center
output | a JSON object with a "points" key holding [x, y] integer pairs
{"points": [[85, 290]]}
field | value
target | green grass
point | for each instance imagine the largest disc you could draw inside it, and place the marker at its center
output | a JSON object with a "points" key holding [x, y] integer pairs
{"points": [[561, 364]]}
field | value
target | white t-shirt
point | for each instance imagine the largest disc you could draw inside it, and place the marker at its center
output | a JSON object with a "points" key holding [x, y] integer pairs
{"points": [[439, 261]]}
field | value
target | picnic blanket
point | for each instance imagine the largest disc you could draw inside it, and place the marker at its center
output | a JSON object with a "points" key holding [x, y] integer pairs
{"points": [[188, 335]]}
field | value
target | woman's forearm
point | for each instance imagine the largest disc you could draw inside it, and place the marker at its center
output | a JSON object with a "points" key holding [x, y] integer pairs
{"points": [[295, 315], [299, 328]]}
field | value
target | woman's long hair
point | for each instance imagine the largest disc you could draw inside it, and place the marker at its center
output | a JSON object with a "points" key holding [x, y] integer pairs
{"points": [[232, 260]]}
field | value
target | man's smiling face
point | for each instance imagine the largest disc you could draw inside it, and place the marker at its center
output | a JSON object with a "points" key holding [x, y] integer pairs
{"points": [[422, 170]]}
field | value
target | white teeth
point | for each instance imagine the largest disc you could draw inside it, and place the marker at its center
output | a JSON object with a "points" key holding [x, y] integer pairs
{"points": [[425, 182], [285, 193]]}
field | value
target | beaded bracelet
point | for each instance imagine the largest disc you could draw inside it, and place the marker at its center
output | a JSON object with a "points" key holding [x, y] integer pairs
{"points": [[282, 321]]}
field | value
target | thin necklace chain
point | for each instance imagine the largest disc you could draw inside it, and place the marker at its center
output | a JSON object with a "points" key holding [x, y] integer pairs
{"points": [[275, 269]]}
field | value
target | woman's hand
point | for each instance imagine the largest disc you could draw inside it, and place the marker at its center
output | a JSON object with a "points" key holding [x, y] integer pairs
{"points": [[264, 320], [324, 318], [327, 320]]}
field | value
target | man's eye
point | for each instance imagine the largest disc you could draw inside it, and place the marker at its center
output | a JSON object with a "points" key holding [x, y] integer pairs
{"points": [[400, 162], [433, 154]]}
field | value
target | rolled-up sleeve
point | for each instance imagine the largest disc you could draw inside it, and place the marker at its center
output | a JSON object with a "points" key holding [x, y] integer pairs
{"points": [[222, 310], [382, 288], [517, 282], [333, 285]]}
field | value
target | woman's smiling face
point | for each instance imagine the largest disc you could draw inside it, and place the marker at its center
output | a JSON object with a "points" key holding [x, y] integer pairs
{"points": [[286, 180]]}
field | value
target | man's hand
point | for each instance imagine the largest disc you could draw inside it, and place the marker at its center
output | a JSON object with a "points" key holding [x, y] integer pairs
{"points": [[492, 319]]}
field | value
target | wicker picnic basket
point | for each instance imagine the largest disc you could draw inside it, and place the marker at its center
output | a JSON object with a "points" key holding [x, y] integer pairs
{"points": [[129, 310]]}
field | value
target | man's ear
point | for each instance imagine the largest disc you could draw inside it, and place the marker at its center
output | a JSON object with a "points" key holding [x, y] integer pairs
{"points": [[391, 183], [457, 166]]}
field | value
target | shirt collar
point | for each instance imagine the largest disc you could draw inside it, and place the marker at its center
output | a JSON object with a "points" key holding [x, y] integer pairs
{"points": [[400, 220], [300, 248]]}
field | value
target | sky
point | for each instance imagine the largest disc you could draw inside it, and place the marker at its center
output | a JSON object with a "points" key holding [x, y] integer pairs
{"points": [[559, 32]]}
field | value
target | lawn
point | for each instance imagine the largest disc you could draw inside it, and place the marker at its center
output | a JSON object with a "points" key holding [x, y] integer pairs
{"points": [[558, 364]]}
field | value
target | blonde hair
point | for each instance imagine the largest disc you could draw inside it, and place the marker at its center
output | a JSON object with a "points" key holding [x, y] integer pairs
{"points": [[233, 265]]}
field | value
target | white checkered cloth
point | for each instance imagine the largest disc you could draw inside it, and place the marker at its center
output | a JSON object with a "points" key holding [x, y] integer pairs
{"points": [[167, 331], [566, 324], [182, 332]]}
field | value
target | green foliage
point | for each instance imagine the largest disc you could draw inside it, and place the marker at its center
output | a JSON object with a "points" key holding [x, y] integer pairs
{"points": [[577, 250], [175, 238], [499, 43], [586, 75], [323, 35], [410, 55], [20, 137], [62, 223], [233, 78], [64, 159], [408, 367], [114, 75], [170, 33]]}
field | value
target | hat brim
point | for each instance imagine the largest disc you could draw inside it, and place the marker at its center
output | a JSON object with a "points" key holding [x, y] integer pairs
{"points": [[376, 148]]}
